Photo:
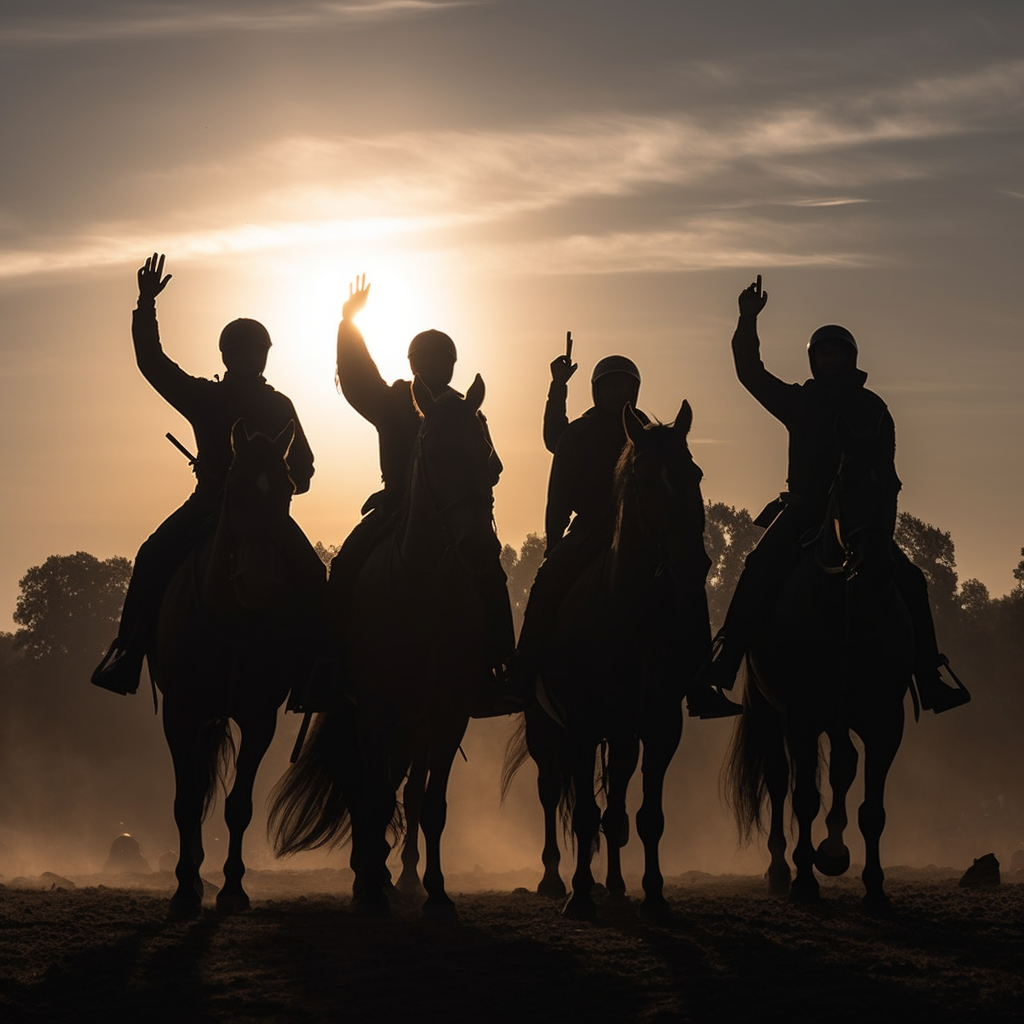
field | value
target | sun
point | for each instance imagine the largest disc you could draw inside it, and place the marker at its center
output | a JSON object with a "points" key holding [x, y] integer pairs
{"points": [[305, 307]]}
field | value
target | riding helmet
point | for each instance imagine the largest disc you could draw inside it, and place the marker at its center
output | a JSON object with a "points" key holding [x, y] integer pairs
{"points": [[433, 341], [615, 364], [244, 332]]}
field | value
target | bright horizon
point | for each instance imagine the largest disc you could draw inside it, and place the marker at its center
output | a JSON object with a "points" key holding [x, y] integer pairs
{"points": [[506, 172]]}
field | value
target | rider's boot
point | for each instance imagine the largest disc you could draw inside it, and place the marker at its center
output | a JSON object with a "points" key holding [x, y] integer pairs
{"points": [[120, 669], [500, 693], [720, 668], [935, 693]]}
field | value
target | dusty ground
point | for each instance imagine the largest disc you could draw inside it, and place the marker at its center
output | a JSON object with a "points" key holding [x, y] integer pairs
{"points": [[98, 948]]}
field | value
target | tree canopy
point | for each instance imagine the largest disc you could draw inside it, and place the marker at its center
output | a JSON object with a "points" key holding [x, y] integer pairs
{"points": [[70, 605]]}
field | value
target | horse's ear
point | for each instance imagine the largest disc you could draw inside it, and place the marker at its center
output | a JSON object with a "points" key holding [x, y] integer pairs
{"points": [[684, 418], [283, 441], [239, 435], [632, 423], [475, 394], [421, 396]]}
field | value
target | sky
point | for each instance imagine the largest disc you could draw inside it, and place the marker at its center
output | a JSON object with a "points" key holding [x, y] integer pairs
{"points": [[506, 171]]}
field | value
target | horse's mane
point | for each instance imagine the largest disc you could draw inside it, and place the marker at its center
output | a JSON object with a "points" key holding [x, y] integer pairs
{"points": [[660, 438]]}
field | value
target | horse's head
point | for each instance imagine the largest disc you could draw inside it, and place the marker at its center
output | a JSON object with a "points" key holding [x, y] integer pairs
{"points": [[454, 473], [257, 495], [658, 492], [862, 506]]}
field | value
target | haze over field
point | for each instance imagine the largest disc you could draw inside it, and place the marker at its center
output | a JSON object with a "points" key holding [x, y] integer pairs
{"points": [[505, 171]]}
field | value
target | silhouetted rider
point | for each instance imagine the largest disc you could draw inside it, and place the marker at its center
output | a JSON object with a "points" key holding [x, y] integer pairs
{"points": [[392, 410], [211, 407], [811, 413], [581, 489]]}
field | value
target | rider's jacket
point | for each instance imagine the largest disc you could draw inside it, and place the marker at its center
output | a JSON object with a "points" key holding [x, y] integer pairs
{"points": [[212, 407], [390, 408], [583, 475], [811, 413]]}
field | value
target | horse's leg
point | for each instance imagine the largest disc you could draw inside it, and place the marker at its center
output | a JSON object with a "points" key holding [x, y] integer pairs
{"points": [[661, 740], [586, 819], [412, 803], [803, 745], [371, 799], [435, 815], [832, 857], [623, 754], [257, 730], [182, 737], [776, 780], [542, 743], [881, 742]]}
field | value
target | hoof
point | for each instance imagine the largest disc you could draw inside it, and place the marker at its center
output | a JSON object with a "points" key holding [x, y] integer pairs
{"points": [[409, 884], [372, 905], [184, 908], [552, 888], [805, 890], [832, 864], [878, 905], [579, 908], [655, 911], [779, 880], [232, 902]]}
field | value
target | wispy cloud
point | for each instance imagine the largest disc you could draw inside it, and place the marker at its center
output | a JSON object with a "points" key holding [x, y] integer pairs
{"points": [[494, 192], [839, 201], [704, 244], [183, 20]]}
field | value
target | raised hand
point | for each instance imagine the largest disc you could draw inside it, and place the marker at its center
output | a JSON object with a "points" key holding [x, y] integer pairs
{"points": [[358, 293], [151, 282], [562, 368], [752, 299]]}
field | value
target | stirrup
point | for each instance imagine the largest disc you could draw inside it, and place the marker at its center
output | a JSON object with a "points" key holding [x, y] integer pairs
{"points": [[949, 697]]}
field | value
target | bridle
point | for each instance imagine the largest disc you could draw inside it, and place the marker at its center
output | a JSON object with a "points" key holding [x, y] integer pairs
{"points": [[477, 494], [659, 534]]}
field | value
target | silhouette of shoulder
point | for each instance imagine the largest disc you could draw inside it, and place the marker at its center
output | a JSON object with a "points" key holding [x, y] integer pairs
{"points": [[212, 406]]}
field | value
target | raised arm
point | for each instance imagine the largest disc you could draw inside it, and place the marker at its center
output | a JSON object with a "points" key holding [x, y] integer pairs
{"points": [[555, 418], [169, 379], [771, 392], [358, 377]]}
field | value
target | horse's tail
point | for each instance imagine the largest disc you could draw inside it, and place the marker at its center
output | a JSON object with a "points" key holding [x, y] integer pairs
{"points": [[758, 737], [310, 805], [216, 755], [549, 755], [517, 753]]}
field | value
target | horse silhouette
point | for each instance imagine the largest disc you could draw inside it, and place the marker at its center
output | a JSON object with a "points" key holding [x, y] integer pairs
{"points": [[228, 646], [415, 654], [629, 634], [835, 656]]}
